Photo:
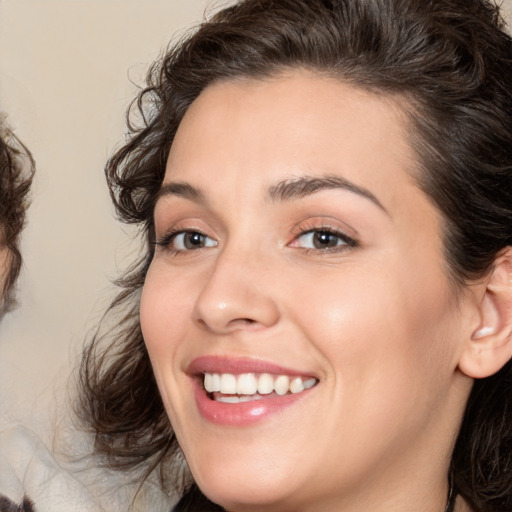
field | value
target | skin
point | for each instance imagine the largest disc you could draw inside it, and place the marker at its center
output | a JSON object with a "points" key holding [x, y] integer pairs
{"points": [[378, 321]]}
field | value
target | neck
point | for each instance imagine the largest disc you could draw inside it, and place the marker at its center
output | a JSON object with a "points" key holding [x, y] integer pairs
{"points": [[428, 499]]}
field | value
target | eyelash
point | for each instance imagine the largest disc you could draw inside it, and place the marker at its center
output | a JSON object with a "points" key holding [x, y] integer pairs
{"points": [[348, 242], [167, 240]]}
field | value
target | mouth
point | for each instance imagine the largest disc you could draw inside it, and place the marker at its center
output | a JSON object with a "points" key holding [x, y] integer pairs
{"points": [[241, 391], [246, 387]]}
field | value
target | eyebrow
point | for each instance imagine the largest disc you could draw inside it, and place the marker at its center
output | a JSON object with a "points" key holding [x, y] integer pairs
{"points": [[181, 189], [296, 188], [285, 190]]}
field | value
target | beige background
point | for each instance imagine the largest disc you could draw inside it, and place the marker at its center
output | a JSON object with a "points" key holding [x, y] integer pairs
{"points": [[66, 69]]}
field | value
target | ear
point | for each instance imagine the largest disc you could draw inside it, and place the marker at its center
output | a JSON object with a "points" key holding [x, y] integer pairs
{"points": [[489, 346]]}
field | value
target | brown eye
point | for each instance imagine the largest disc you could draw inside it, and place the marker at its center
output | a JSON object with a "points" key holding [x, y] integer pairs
{"points": [[325, 240], [191, 240], [322, 240]]}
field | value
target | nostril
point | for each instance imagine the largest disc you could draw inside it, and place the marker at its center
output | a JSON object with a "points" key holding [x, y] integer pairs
{"points": [[202, 323], [244, 323], [236, 323]]}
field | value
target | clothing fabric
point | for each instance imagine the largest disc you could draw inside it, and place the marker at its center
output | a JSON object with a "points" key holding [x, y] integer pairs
{"points": [[33, 479], [195, 501]]}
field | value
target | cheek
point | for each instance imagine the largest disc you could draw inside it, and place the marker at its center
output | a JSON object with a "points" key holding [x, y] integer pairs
{"points": [[164, 309], [386, 336], [362, 336]]}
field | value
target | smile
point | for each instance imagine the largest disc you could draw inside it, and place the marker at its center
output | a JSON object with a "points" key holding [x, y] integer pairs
{"points": [[230, 388], [239, 392]]}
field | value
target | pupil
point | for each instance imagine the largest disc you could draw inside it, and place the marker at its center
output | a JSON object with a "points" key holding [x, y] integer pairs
{"points": [[193, 240], [323, 239]]}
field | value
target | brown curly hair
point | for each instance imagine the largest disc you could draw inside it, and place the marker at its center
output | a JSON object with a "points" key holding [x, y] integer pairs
{"points": [[16, 173], [452, 62]]}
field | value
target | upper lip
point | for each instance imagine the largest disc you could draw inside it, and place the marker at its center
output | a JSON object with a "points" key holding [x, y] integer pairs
{"points": [[238, 365]]}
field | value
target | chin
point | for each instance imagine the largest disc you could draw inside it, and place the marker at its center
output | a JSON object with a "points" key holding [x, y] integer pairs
{"points": [[247, 488], [249, 500]]}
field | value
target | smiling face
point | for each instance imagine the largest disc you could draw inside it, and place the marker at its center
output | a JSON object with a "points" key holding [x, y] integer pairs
{"points": [[299, 273]]}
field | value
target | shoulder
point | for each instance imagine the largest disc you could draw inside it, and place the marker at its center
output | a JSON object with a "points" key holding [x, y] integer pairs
{"points": [[34, 479]]}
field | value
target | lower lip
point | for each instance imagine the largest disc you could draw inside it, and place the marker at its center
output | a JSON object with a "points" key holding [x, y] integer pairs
{"points": [[242, 413]]}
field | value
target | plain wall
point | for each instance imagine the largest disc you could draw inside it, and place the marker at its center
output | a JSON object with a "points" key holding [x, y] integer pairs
{"points": [[66, 73]]}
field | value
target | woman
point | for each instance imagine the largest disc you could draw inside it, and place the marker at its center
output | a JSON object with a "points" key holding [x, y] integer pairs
{"points": [[32, 477], [325, 190], [16, 171]]}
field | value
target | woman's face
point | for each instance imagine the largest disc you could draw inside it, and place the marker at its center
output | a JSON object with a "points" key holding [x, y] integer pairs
{"points": [[299, 271]]}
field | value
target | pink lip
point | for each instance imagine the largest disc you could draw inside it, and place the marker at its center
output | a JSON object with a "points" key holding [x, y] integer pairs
{"points": [[244, 413], [238, 365]]}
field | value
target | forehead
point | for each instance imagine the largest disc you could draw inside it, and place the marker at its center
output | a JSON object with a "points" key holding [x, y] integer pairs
{"points": [[292, 123]]}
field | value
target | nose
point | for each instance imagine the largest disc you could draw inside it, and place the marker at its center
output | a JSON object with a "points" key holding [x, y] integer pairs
{"points": [[236, 296]]}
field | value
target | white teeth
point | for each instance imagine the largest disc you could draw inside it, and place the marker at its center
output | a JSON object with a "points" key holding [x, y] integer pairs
{"points": [[309, 383], [250, 385], [282, 385], [296, 385], [228, 384], [237, 399], [265, 384], [246, 384], [215, 386], [208, 381]]}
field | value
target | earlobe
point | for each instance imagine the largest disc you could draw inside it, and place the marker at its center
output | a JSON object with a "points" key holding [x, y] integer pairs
{"points": [[489, 347]]}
